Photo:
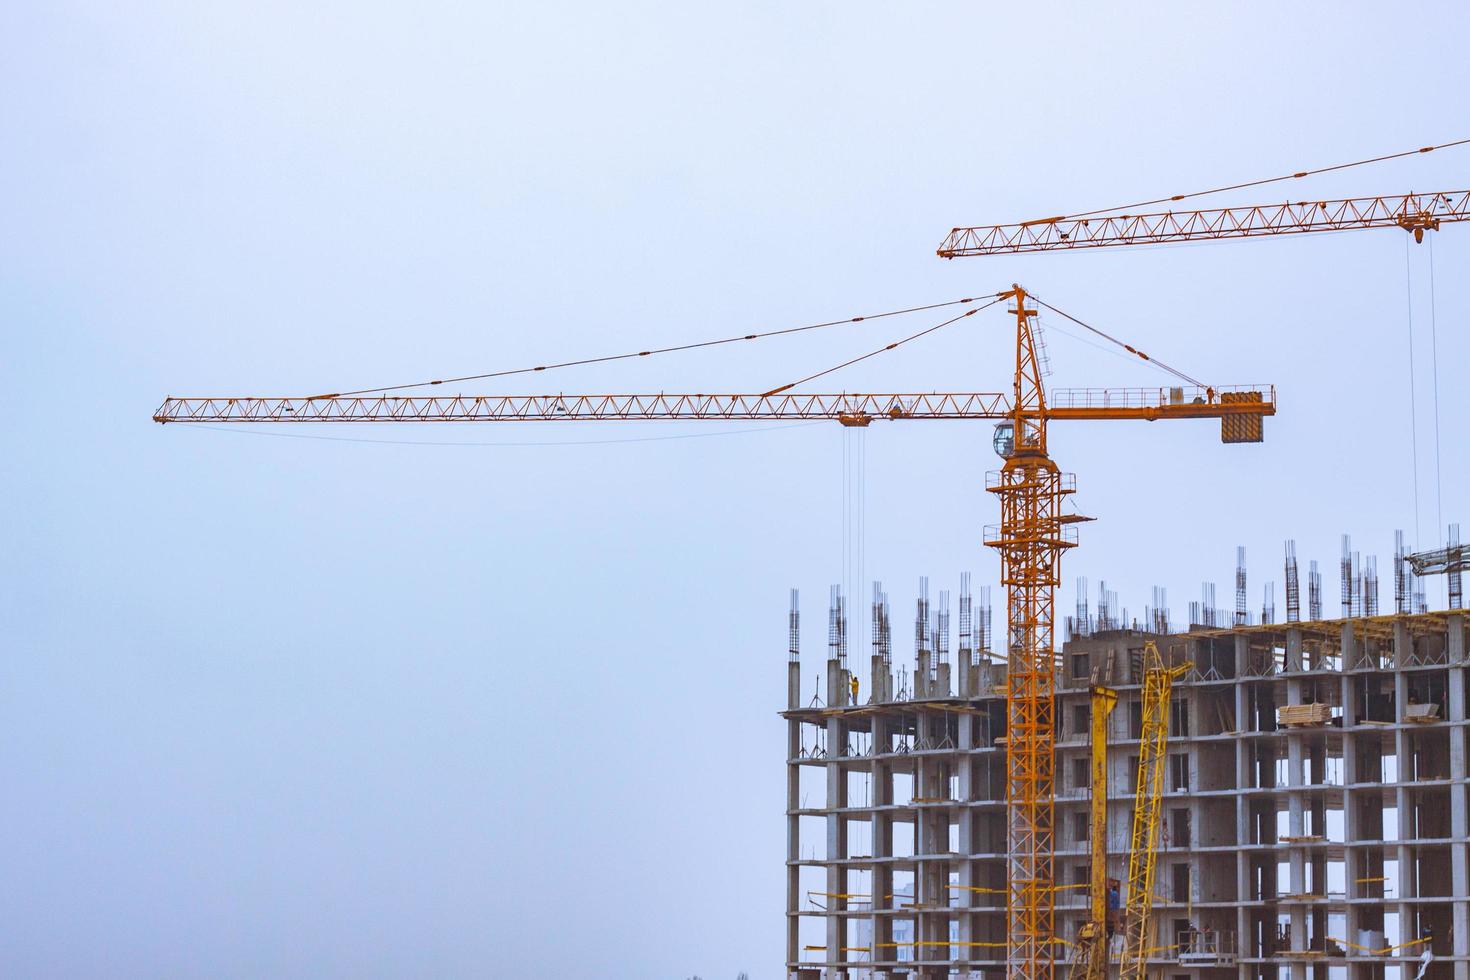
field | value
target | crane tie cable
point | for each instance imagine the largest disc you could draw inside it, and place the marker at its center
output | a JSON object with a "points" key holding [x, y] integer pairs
{"points": [[1128, 347], [882, 350], [648, 353], [1249, 183]]}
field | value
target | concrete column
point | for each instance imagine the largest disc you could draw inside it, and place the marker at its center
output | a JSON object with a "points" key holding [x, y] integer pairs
{"points": [[1407, 883], [836, 844], [793, 836], [1294, 650], [837, 691], [1352, 856], [1242, 831], [882, 848], [933, 826], [966, 793], [1296, 827], [1459, 824]]}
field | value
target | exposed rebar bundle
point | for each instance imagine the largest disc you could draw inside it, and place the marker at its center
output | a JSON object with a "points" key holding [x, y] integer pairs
{"points": [[1080, 624], [1370, 587], [1293, 589], [985, 619], [1456, 591], [1159, 616], [941, 629], [882, 631], [1107, 607], [1402, 597], [837, 627], [967, 623], [793, 626], [1240, 600], [1314, 592], [923, 654]]}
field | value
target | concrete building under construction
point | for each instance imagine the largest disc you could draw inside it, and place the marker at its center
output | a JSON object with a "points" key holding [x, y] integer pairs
{"points": [[1329, 840]]}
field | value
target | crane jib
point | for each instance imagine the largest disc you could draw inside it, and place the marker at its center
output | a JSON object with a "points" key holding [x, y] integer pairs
{"points": [[1414, 213], [1245, 405]]}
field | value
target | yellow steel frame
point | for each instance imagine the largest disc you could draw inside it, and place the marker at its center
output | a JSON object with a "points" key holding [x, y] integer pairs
{"points": [[1158, 684], [1090, 957]]}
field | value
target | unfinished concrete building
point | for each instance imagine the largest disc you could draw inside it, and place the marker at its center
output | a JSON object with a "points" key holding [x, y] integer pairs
{"points": [[1325, 841]]}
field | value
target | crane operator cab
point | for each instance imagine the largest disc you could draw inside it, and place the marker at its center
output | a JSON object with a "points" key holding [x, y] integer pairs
{"points": [[1004, 439]]}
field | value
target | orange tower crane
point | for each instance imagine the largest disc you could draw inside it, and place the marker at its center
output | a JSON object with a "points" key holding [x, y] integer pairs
{"points": [[1032, 534], [1414, 213], [1133, 224], [1130, 225]]}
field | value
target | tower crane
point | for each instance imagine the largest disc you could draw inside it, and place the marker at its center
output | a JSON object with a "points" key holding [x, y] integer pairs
{"points": [[1128, 225], [1031, 536], [1414, 213], [1134, 224]]}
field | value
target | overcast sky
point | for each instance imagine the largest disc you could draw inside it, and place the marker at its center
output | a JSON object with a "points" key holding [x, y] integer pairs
{"points": [[277, 704]]}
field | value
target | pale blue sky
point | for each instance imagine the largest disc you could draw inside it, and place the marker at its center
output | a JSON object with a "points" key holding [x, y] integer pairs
{"points": [[306, 708]]}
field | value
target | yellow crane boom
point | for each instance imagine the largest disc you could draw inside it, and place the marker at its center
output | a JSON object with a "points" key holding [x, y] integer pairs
{"points": [[1090, 958], [1158, 685]]}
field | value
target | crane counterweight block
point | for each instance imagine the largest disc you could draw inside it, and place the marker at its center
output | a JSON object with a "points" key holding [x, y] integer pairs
{"points": [[1243, 427]]}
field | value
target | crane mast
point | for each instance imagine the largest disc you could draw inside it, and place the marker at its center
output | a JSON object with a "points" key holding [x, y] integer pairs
{"points": [[1031, 539]]}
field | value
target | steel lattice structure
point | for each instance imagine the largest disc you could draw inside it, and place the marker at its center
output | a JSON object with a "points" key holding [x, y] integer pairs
{"points": [[1090, 952], [1031, 541], [1416, 213], [1158, 683], [1145, 404]]}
